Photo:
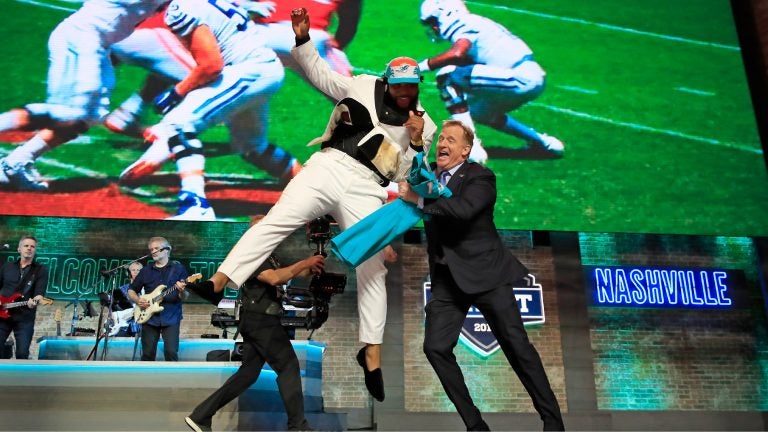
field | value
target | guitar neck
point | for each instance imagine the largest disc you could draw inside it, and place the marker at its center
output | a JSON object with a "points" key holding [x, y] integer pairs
{"points": [[195, 277], [163, 293], [14, 304]]}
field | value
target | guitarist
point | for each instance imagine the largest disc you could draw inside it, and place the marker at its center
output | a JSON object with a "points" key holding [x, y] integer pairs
{"points": [[162, 271], [130, 327], [22, 279]]}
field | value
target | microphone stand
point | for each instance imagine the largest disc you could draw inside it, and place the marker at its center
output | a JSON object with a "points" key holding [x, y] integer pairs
{"points": [[112, 274], [75, 304], [106, 328]]}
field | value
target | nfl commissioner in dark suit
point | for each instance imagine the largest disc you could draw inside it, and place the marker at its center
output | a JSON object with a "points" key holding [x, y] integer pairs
{"points": [[469, 265]]}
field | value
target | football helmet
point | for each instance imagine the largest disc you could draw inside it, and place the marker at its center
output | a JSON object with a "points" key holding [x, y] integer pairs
{"points": [[434, 9]]}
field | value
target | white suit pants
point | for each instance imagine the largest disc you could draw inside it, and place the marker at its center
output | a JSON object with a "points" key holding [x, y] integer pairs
{"points": [[334, 183]]}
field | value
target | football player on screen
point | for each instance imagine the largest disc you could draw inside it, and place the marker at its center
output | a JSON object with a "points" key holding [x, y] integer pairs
{"points": [[80, 81], [233, 80], [486, 73], [154, 47]]}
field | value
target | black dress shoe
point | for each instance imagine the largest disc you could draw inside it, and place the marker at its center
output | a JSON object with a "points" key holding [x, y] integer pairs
{"points": [[374, 381], [205, 290], [553, 425], [480, 426]]}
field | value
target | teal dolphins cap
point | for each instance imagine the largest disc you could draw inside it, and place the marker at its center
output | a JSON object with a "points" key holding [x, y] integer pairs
{"points": [[403, 70]]}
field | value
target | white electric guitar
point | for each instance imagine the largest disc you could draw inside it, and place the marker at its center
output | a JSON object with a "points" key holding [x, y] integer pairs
{"points": [[120, 320], [155, 298]]}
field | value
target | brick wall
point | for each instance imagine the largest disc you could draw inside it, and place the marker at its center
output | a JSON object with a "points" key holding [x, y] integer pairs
{"points": [[655, 359]]}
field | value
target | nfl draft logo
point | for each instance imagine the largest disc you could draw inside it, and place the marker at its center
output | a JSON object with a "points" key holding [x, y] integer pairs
{"points": [[476, 333]]}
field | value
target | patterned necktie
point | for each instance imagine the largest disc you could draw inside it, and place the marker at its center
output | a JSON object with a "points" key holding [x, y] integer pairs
{"points": [[444, 176]]}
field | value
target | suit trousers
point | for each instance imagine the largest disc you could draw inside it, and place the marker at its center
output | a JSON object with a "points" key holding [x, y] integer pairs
{"points": [[446, 312], [264, 340]]}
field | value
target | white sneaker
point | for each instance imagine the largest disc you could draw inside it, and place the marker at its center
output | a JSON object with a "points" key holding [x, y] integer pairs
{"points": [[21, 176], [153, 158], [195, 426], [478, 153], [124, 122], [193, 207], [549, 145]]}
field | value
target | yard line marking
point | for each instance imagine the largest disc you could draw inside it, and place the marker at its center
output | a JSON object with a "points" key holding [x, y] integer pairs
{"points": [[48, 5], [62, 165], [695, 91], [644, 128], [636, 126], [607, 26], [510, 9], [578, 89], [228, 178]]}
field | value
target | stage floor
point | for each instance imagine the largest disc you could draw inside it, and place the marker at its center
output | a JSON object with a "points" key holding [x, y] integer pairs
{"points": [[75, 394]]}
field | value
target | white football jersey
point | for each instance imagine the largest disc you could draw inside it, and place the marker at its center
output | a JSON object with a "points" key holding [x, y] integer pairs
{"points": [[492, 44], [111, 20], [238, 37]]}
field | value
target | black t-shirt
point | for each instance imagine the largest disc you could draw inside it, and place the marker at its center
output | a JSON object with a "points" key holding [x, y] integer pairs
{"points": [[255, 289], [35, 284]]}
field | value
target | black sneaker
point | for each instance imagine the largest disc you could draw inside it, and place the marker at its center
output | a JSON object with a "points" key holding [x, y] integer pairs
{"points": [[205, 290]]}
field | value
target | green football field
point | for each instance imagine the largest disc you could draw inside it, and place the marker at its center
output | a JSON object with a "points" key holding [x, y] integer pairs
{"points": [[649, 97]]}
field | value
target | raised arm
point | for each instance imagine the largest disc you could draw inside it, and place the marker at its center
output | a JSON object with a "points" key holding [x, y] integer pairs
{"points": [[317, 70]]}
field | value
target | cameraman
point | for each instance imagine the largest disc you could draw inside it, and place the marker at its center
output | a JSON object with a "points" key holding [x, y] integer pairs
{"points": [[264, 340]]}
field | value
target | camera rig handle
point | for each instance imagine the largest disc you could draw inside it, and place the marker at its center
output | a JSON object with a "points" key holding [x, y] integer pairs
{"points": [[319, 233], [310, 305]]}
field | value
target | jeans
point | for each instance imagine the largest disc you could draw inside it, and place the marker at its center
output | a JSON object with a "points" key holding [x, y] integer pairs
{"points": [[150, 335], [22, 332]]}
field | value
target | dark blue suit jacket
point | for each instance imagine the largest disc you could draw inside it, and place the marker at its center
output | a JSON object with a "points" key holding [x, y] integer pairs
{"points": [[461, 232]]}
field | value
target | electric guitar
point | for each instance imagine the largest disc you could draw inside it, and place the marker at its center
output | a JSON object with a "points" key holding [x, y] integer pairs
{"points": [[155, 298], [120, 320], [57, 318], [12, 302]]}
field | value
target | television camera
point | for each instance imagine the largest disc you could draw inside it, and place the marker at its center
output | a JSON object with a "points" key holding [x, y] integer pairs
{"points": [[308, 307]]}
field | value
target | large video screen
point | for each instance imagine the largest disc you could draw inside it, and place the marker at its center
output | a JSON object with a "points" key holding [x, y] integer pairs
{"points": [[649, 99]]}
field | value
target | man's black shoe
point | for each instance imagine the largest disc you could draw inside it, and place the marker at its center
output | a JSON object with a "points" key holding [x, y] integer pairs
{"points": [[374, 381], [553, 425], [480, 426], [205, 290]]}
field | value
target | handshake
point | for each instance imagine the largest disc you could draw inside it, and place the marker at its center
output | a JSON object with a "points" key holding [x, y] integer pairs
{"points": [[167, 100]]}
